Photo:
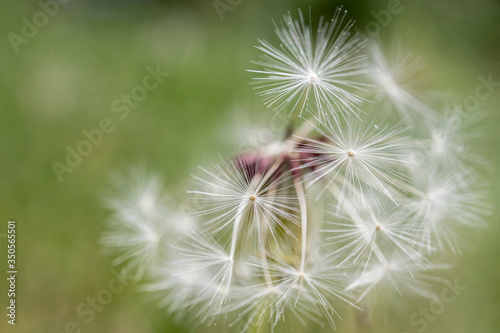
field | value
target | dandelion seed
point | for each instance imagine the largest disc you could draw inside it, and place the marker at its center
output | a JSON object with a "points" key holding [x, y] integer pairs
{"points": [[396, 277], [304, 294], [394, 77], [313, 72], [365, 231], [201, 254], [450, 138], [447, 203], [136, 194], [362, 160], [140, 221], [254, 189]]}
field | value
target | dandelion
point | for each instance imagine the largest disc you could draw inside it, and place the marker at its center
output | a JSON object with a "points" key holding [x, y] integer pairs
{"points": [[345, 210]]}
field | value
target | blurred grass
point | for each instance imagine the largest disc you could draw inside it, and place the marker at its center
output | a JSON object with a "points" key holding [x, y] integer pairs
{"points": [[64, 80]]}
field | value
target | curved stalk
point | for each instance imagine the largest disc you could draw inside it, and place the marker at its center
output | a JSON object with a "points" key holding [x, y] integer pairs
{"points": [[303, 216]]}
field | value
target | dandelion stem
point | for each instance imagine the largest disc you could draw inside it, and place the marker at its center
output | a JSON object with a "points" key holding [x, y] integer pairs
{"points": [[263, 240], [303, 216], [236, 228]]}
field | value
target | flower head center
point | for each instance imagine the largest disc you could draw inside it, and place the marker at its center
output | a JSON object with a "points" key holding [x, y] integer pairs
{"points": [[147, 202], [152, 237], [253, 197], [313, 77], [351, 153]]}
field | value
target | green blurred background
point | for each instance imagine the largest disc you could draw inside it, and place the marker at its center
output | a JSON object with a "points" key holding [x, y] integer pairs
{"points": [[64, 79]]}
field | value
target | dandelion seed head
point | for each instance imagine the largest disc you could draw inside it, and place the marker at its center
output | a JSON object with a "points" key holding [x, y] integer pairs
{"points": [[349, 209]]}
